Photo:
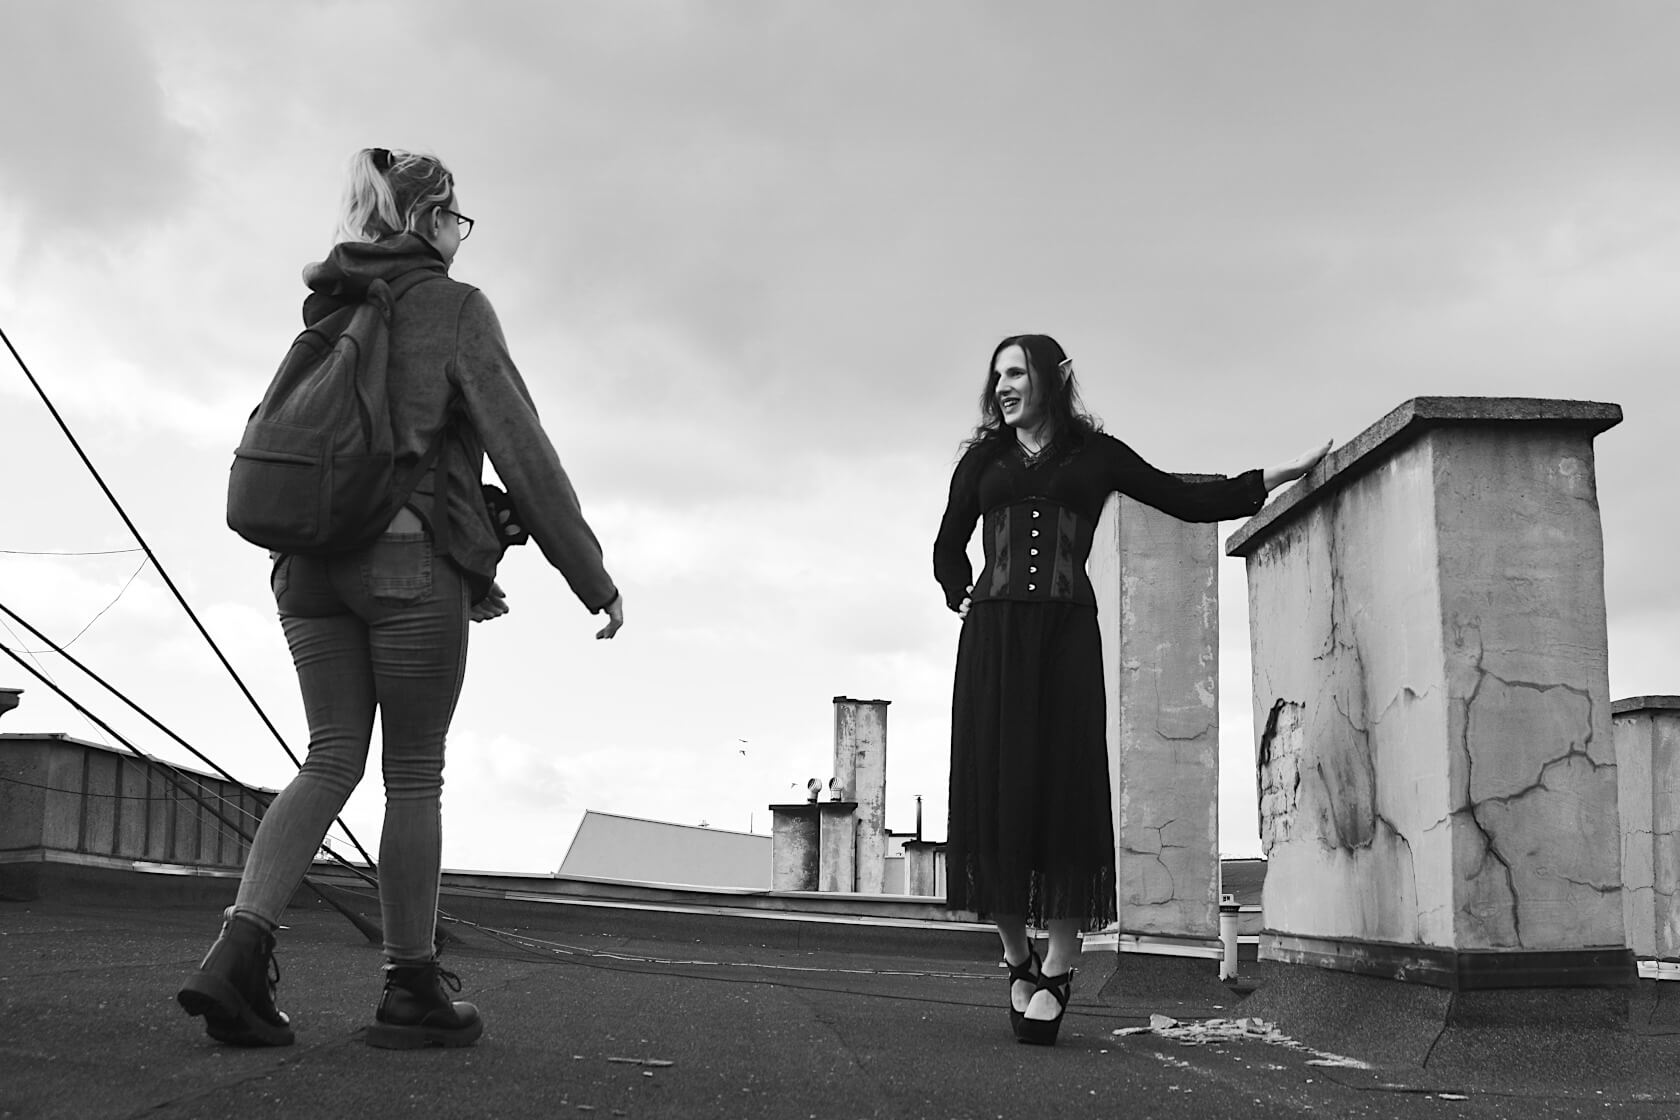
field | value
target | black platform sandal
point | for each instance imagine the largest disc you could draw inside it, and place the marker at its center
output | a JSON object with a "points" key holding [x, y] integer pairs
{"points": [[1028, 971], [1042, 1032]]}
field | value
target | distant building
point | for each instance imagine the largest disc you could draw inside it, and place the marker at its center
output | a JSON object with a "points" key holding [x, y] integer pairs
{"points": [[1243, 880], [75, 810], [608, 846], [633, 849]]}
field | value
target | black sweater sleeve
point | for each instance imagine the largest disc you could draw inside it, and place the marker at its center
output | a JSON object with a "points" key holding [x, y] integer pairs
{"points": [[950, 548], [1220, 499]]}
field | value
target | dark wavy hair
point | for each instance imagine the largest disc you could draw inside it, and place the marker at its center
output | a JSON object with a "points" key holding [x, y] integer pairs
{"points": [[1069, 422]]}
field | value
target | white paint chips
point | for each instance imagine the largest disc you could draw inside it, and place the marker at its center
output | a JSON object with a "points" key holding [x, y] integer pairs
{"points": [[1205, 1031]]}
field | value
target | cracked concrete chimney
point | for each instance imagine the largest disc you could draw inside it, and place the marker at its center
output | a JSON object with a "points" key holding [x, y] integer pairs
{"points": [[860, 765]]}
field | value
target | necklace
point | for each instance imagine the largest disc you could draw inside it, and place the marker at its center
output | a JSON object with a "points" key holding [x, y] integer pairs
{"points": [[1033, 457]]}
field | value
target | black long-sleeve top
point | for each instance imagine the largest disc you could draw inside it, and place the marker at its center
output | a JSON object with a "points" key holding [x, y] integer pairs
{"points": [[1039, 518]]}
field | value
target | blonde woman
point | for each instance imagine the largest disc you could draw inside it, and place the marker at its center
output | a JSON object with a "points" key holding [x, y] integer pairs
{"points": [[384, 628]]}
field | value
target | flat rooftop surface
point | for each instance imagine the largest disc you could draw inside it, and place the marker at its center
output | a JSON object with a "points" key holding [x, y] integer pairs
{"points": [[603, 1014]]}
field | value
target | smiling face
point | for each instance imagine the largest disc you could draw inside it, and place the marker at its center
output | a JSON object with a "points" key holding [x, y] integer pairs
{"points": [[1017, 391]]}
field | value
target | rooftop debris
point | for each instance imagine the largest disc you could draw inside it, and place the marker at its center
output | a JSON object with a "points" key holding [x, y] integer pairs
{"points": [[1205, 1031]]}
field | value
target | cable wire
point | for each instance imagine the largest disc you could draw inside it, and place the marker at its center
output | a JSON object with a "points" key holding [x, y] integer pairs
{"points": [[170, 771], [185, 783], [14, 780], [152, 556], [261, 795], [114, 691], [68, 552], [97, 617], [47, 675], [557, 952]]}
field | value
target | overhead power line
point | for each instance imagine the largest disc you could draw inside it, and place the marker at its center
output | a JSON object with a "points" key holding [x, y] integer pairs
{"points": [[97, 617], [190, 787], [140, 539], [68, 552]]}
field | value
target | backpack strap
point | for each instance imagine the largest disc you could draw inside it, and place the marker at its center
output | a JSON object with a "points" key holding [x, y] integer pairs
{"points": [[442, 538], [386, 294], [405, 486], [403, 489]]}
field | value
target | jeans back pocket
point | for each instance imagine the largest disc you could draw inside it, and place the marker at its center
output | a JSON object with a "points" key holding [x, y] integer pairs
{"points": [[397, 569]]}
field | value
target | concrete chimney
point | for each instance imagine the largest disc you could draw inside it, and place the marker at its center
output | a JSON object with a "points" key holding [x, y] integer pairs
{"points": [[860, 762]]}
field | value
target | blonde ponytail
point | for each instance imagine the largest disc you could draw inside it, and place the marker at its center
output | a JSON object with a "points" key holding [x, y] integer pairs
{"points": [[386, 191]]}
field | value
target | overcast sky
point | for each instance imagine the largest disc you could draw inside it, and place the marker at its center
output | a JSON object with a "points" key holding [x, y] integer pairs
{"points": [[752, 259]]}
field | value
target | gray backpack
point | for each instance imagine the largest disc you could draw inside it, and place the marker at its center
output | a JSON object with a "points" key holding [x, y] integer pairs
{"points": [[315, 472]]}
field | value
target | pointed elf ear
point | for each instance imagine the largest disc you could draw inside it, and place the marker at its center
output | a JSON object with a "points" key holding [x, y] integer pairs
{"points": [[1065, 366]]}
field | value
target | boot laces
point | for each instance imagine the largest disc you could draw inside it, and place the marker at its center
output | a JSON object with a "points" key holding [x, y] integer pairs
{"points": [[449, 979]]}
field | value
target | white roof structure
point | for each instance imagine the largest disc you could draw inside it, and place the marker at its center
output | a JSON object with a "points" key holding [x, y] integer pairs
{"points": [[608, 846]]}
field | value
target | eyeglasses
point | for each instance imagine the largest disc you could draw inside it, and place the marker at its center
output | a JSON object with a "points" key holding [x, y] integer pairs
{"points": [[461, 220]]}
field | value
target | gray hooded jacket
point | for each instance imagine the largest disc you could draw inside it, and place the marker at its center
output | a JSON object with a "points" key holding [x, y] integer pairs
{"points": [[449, 365]]}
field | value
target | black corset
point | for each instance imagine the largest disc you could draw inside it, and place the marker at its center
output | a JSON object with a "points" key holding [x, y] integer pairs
{"points": [[1035, 549]]}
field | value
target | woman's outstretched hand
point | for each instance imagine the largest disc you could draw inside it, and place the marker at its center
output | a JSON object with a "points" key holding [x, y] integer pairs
{"points": [[1295, 468], [615, 617], [493, 605]]}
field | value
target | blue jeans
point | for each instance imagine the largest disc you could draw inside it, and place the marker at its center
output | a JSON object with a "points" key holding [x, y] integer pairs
{"points": [[384, 627]]}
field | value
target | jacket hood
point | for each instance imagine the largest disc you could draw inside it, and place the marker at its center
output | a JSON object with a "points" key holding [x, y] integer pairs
{"points": [[344, 277]]}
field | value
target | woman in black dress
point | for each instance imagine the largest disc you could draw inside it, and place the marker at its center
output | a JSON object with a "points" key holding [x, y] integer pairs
{"points": [[1031, 835]]}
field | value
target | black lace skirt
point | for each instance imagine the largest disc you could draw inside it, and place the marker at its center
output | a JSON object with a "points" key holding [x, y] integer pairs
{"points": [[1031, 825]]}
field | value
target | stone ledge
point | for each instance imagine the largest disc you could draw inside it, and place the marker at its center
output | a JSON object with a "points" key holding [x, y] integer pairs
{"points": [[1644, 704], [1458, 970], [1399, 428]]}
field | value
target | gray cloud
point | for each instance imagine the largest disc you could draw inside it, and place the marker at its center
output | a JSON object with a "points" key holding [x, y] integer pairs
{"points": [[743, 251], [90, 145]]}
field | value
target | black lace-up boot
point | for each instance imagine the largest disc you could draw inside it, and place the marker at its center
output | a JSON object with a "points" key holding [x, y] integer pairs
{"points": [[416, 1011], [234, 988]]}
